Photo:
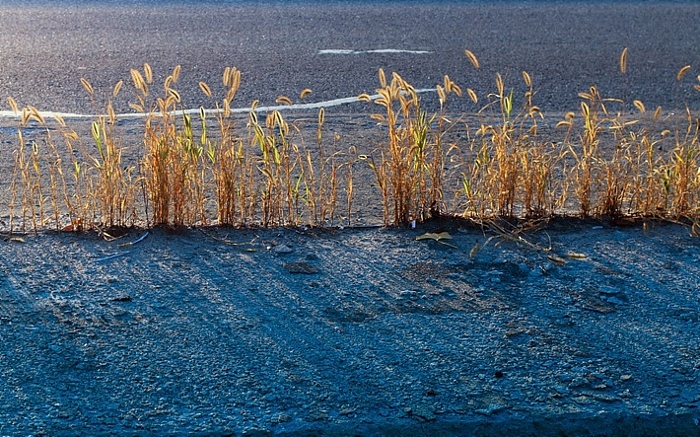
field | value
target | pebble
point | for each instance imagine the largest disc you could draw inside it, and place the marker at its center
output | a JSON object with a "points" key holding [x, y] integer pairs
{"points": [[605, 289], [490, 410], [282, 249], [300, 267], [424, 413], [347, 411], [282, 417], [578, 382], [317, 416], [256, 432], [615, 301], [408, 293]]}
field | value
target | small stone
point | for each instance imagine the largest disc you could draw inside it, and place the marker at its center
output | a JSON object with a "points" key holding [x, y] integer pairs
{"points": [[491, 410], [282, 249], [583, 400], [125, 298], [424, 413], [283, 417], [605, 397], [608, 290], [300, 267], [578, 382], [317, 416], [615, 301], [256, 432], [347, 411], [561, 389]]}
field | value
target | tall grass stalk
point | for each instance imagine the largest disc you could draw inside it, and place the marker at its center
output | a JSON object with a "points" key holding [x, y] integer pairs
{"points": [[212, 167]]}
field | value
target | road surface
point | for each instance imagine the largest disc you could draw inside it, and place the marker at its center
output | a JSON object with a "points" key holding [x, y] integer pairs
{"points": [[336, 49]]}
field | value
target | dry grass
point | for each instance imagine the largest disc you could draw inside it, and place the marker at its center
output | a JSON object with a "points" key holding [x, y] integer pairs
{"points": [[606, 159]]}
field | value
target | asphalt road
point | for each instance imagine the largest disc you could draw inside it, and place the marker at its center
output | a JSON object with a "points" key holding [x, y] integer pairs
{"points": [[566, 47], [372, 333]]}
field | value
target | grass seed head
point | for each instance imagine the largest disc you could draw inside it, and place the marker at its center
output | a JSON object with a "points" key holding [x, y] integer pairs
{"points": [[472, 58], [139, 83], [304, 93], [205, 89], [117, 88], [472, 95], [284, 100], [682, 72], [87, 86], [623, 61], [149, 73], [499, 85], [176, 73], [174, 94], [13, 105], [382, 78]]}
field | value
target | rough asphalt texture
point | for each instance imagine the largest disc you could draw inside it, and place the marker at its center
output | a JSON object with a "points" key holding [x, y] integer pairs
{"points": [[351, 332], [566, 48]]}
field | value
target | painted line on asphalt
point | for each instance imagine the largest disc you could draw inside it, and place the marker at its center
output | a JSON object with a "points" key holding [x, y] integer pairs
{"points": [[47, 115], [377, 51]]}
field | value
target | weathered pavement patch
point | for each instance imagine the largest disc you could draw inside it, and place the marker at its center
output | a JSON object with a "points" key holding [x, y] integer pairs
{"points": [[352, 332]]}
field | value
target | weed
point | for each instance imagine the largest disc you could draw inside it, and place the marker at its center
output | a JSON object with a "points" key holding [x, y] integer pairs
{"points": [[196, 168]]}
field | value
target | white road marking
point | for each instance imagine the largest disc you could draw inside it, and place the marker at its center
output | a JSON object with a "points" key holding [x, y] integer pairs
{"points": [[49, 115], [360, 52]]}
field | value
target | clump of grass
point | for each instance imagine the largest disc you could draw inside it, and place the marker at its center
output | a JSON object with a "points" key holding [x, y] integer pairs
{"points": [[266, 179], [409, 167], [172, 161], [231, 168], [508, 169], [115, 185], [99, 190], [277, 164], [321, 174], [198, 168]]}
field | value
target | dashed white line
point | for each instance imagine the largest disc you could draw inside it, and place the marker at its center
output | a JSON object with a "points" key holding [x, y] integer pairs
{"points": [[380, 51]]}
